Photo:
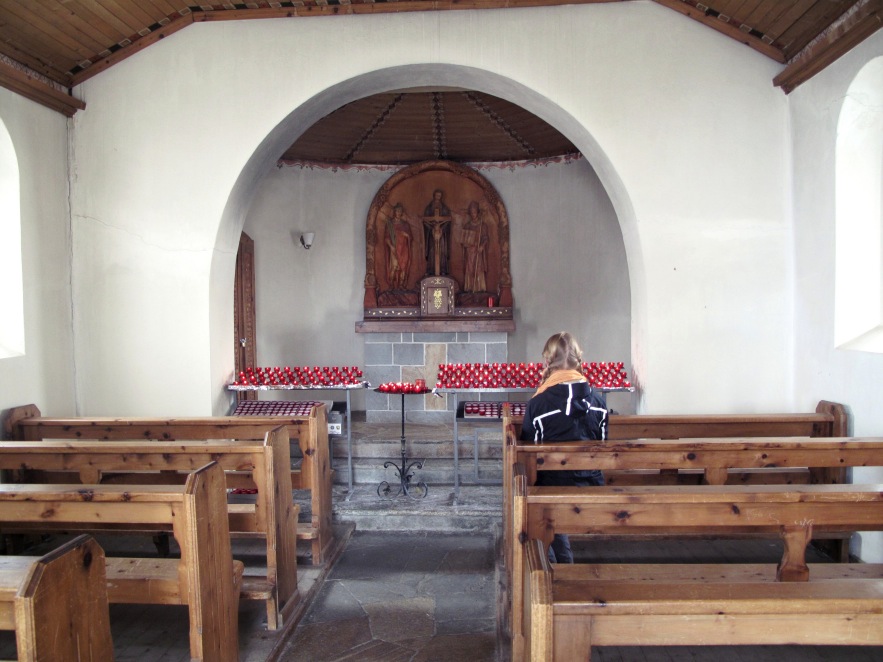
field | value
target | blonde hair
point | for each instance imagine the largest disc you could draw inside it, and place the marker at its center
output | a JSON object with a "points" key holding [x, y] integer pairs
{"points": [[561, 352]]}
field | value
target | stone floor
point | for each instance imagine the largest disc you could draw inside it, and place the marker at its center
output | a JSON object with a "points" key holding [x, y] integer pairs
{"points": [[159, 633], [432, 596], [404, 596]]}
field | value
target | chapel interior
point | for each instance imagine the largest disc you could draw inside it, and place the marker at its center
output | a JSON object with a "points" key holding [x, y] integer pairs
{"points": [[373, 214]]}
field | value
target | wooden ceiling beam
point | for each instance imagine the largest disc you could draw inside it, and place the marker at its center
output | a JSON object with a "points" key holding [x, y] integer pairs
{"points": [[845, 36], [135, 47], [35, 89], [729, 29], [16, 54], [378, 8]]}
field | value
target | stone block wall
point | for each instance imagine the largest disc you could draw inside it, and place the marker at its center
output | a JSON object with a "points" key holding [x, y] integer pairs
{"points": [[395, 357]]}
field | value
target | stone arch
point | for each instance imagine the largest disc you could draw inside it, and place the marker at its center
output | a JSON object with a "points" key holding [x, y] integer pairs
{"points": [[399, 77]]}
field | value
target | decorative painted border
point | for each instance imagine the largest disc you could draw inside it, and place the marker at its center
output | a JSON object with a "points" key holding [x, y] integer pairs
{"points": [[565, 159], [466, 313], [392, 312]]}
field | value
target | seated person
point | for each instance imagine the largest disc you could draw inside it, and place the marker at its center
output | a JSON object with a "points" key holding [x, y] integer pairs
{"points": [[564, 408]]}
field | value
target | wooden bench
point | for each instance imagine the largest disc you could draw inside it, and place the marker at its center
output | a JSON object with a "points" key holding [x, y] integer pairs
{"points": [[57, 603], [310, 432], [829, 420], [566, 610], [205, 578], [273, 516], [711, 461]]}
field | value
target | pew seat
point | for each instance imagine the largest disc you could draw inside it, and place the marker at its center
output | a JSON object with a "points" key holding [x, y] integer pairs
{"points": [[570, 608]]}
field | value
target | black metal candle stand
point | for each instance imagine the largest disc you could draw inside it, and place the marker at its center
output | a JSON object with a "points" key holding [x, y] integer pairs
{"points": [[405, 474]]}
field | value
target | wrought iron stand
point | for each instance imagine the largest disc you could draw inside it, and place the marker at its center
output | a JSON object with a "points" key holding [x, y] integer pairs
{"points": [[415, 490]]}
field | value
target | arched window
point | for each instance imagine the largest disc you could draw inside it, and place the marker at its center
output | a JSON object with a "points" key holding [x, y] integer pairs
{"points": [[12, 328], [858, 306]]}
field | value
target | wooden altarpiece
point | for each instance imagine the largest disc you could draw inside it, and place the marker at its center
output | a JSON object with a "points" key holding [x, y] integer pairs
{"points": [[437, 247]]}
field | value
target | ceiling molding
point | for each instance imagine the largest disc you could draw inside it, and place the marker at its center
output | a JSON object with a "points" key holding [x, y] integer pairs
{"points": [[136, 46], [31, 87], [722, 24], [345, 8], [853, 29]]}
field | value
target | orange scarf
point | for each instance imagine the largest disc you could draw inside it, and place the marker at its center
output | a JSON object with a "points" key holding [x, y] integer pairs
{"points": [[559, 377]]}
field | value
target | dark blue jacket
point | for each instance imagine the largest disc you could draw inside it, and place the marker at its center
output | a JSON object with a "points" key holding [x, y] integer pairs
{"points": [[565, 412], [571, 411]]}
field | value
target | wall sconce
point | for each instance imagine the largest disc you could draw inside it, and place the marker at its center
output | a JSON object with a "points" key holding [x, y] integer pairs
{"points": [[306, 239]]}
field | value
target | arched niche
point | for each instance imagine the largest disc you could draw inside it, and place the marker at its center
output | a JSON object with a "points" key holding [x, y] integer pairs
{"points": [[266, 153]]}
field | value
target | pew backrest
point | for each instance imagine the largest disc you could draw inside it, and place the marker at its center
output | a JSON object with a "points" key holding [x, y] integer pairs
{"points": [[25, 423], [57, 604], [266, 462], [196, 514]]}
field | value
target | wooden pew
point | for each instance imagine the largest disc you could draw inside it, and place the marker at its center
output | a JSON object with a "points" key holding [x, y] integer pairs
{"points": [[273, 516], [311, 433], [57, 603], [566, 609], [829, 420], [206, 578]]}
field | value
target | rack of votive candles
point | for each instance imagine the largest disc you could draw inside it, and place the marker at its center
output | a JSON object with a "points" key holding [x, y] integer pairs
{"points": [[298, 377], [606, 376]]}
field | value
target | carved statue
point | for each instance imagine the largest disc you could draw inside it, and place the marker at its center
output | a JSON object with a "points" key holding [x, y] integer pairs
{"points": [[474, 240], [398, 243], [464, 230], [437, 234]]}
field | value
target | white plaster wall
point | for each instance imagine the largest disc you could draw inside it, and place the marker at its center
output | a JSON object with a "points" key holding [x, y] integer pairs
{"points": [[44, 374], [176, 139], [853, 378], [567, 261]]}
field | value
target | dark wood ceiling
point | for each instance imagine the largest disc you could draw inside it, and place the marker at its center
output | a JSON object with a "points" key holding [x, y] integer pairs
{"points": [[408, 127], [49, 46]]}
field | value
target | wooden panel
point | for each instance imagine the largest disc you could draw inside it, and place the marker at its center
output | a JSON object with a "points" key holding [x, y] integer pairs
{"points": [[143, 581], [61, 610], [691, 573], [132, 12], [206, 555], [816, 19], [244, 314], [759, 452], [51, 45], [98, 15], [674, 426], [850, 32], [434, 326], [761, 629], [31, 88], [60, 22], [850, 596]]}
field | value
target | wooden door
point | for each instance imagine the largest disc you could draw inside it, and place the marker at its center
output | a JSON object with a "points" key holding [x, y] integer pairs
{"points": [[244, 319]]}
